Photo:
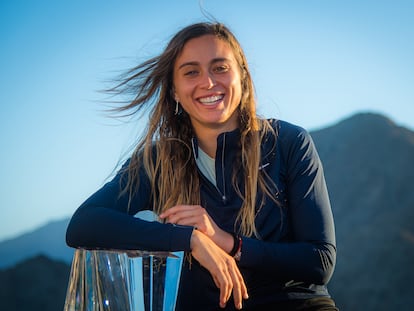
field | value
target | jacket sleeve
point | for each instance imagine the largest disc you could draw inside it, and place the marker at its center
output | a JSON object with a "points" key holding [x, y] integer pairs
{"points": [[309, 255], [106, 221]]}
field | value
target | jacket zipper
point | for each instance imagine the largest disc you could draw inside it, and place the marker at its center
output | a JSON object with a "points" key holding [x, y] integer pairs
{"points": [[223, 195]]}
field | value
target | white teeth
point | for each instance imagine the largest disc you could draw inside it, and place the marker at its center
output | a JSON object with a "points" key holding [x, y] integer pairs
{"points": [[211, 99]]}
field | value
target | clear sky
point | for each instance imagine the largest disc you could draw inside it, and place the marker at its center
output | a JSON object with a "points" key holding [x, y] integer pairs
{"points": [[314, 63]]}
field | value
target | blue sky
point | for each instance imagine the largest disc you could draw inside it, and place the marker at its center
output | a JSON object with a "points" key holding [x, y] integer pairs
{"points": [[314, 63]]}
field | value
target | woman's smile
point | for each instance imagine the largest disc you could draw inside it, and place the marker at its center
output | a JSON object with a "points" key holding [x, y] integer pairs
{"points": [[211, 100]]}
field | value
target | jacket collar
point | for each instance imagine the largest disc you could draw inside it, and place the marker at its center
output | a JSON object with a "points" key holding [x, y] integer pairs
{"points": [[225, 139]]}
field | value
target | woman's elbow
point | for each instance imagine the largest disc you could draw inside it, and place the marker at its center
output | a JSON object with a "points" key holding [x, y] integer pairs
{"points": [[325, 269], [72, 235], [76, 232]]}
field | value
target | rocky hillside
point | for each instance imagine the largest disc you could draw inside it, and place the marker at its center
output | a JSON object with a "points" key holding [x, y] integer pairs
{"points": [[369, 172], [38, 284]]}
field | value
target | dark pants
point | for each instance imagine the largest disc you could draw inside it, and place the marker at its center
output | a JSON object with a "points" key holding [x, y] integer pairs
{"points": [[313, 304]]}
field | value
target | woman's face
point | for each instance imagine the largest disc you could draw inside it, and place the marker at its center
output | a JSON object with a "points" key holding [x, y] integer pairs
{"points": [[207, 83]]}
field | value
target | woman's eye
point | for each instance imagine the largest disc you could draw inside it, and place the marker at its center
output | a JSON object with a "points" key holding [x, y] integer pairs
{"points": [[191, 73], [221, 68]]}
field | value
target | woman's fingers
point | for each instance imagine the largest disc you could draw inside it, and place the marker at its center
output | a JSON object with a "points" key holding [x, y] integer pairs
{"points": [[182, 214], [239, 289], [190, 215], [233, 284], [225, 290], [222, 267], [226, 286]]}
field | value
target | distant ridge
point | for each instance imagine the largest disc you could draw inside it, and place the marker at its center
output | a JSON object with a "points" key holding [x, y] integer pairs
{"points": [[367, 160], [48, 240], [368, 166]]}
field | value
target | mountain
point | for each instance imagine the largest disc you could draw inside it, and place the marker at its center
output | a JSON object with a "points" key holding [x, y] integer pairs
{"points": [[38, 284], [368, 167], [48, 240], [367, 160]]}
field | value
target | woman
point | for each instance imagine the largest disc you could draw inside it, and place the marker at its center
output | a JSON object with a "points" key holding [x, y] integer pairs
{"points": [[244, 196]]}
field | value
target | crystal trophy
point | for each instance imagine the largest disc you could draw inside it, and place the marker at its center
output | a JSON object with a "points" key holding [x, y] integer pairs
{"points": [[123, 280]]}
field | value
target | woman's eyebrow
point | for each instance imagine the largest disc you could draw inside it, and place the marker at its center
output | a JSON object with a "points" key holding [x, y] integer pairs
{"points": [[219, 59], [188, 64]]}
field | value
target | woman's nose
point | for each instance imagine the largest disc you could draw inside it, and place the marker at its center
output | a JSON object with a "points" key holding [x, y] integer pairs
{"points": [[208, 81]]}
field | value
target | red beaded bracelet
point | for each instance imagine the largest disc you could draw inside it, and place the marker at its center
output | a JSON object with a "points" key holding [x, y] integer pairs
{"points": [[237, 256], [236, 250]]}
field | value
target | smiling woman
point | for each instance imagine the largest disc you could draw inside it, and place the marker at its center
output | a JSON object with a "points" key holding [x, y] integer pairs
{"points": [[245, 197], [207, 83]]}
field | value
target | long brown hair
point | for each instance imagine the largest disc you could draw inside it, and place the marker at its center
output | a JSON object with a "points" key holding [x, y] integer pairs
{"points": [[165, 149]]}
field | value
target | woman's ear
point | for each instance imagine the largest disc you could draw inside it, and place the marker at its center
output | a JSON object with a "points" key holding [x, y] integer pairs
{"points": [[174, 95]]}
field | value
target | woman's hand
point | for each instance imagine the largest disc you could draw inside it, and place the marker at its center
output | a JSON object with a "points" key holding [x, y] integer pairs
{"points": [[197, 216], [209, 246], [222, 267]]}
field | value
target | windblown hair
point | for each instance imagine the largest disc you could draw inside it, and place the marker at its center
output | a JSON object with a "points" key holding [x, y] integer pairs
{"points": [[165, 149]]}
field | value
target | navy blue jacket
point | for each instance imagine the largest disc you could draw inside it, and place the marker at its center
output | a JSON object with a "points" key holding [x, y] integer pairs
{"points": [[294, 256]]}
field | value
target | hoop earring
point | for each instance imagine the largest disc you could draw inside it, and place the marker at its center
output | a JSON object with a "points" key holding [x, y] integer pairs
{"points": [[177, 107]]}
